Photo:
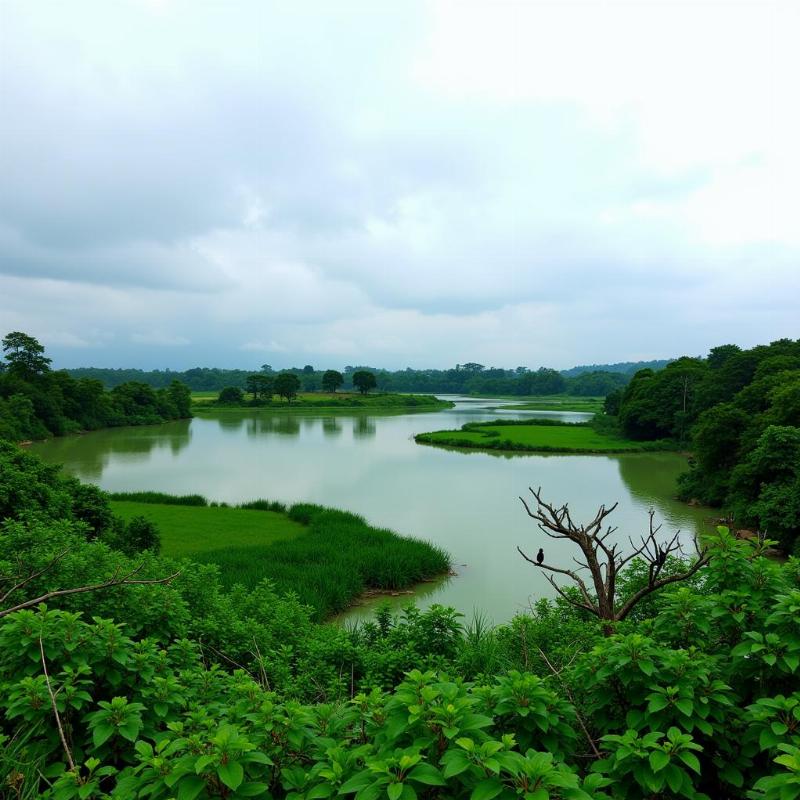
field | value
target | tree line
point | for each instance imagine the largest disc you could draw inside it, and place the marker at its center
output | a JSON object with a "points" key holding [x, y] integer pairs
{"points": [[37, 401], [469, 378], [738, 412]]}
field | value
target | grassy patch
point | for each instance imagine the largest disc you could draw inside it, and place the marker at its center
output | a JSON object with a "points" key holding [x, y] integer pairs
{"points": [[341, 400], [543, 436], [193, 530], [328, 558], [589, 405]]}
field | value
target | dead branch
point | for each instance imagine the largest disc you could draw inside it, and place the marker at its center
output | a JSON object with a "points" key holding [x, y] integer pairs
{"points": [[604, 561]]}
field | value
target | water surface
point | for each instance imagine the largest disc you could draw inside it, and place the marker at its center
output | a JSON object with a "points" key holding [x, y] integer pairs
{"points": [[466, 501]]}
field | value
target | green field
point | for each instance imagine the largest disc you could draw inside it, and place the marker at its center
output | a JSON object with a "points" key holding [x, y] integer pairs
{"points": [[328, 558], [187, 530], [324, 401], [557, 402], [536, 436]]}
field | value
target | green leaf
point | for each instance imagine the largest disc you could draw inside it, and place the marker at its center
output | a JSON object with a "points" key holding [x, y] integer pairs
{"points": [[691, 761], [231, 774], [356, 783], [657, 703], [456, 764], [190, 787], [426, 773], [487, 789], [253, 789], [686, 707], [394, 790], [658, 760], [101, 734]]}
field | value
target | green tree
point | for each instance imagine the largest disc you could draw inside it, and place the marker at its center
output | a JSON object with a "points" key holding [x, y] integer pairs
{"points": [[332, 380], [260, 386], [24, 355], [231, 395], [364, 381], [181, 398], [287, 385]]}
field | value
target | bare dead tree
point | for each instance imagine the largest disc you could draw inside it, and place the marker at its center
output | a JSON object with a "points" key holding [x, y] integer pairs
{"points": [[118, 578], [596, 575]]}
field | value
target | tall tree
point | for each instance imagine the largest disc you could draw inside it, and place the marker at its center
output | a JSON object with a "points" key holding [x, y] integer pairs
{"points": [[286, 385], [24, 355], [364, 381], [332, 380]]}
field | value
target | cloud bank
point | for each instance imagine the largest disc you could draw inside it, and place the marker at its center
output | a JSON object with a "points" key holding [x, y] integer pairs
{"points": [[397, 184]]}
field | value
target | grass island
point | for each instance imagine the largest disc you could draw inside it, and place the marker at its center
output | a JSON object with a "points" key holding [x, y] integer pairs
{"points": [[538, 436]]}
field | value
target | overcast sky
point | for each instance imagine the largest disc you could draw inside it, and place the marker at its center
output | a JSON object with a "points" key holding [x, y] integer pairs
{"points": [[397, 183]]}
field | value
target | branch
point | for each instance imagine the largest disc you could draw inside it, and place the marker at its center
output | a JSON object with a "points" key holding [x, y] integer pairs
{"points": [[572, 574], [125, 580], [33, 576], [657, 584]]}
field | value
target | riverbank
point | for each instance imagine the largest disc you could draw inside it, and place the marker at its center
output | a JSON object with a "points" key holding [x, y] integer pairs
{"points": [[538, 436], [328, 558], [329, 401]]}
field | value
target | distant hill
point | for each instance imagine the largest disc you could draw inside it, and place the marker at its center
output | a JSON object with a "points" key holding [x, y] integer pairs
{"points": [[625, 367]]}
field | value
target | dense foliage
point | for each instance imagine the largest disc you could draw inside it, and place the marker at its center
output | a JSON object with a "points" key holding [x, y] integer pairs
{"points": [[36, 402], [739, 413]]}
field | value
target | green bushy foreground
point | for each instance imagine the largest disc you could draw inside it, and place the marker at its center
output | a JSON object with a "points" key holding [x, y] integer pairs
{"points": [[540, 436], [189, 690], [699, 699]]}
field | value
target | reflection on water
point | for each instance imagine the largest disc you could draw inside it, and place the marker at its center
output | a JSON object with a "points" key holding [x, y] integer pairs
{"points": [[88, 455], [364, 427], [331, 426], [466, 501]]}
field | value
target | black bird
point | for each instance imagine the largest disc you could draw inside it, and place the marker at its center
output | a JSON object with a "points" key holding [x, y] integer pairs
{"points": [[540, 556]]}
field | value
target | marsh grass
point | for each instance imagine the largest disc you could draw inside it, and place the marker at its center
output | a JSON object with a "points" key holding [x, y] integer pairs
{"points": [[337, 560], [327, 557]]}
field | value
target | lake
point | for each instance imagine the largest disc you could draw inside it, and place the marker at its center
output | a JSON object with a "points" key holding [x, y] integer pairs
{"points": [[466, 501]]}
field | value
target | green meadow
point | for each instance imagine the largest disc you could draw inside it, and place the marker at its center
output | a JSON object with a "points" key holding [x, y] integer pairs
{"points": [[537, 436], [327, 558], [190, 531]]}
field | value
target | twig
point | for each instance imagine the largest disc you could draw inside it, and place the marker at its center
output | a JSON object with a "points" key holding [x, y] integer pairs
{"points": [[566, 688], [70, 760]]}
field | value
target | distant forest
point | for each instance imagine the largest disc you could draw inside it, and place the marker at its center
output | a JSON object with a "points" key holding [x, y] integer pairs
{"points": [[596, 380]]}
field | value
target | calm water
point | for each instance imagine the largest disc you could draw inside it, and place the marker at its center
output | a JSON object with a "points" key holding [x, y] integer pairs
{"points": [[465, 501]]}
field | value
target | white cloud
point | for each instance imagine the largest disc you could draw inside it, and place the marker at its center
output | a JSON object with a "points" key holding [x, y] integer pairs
{"points": [[423, 183]]}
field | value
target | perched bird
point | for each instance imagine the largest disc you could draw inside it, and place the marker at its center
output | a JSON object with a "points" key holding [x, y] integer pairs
{"points": [[540, 556]]}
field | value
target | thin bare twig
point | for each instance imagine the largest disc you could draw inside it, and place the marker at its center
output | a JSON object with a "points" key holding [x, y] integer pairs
{"points": [[70, 760], [566, 688]]}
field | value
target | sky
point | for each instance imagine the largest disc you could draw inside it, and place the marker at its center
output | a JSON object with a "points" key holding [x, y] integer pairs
{"points": [[397, 183]]}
